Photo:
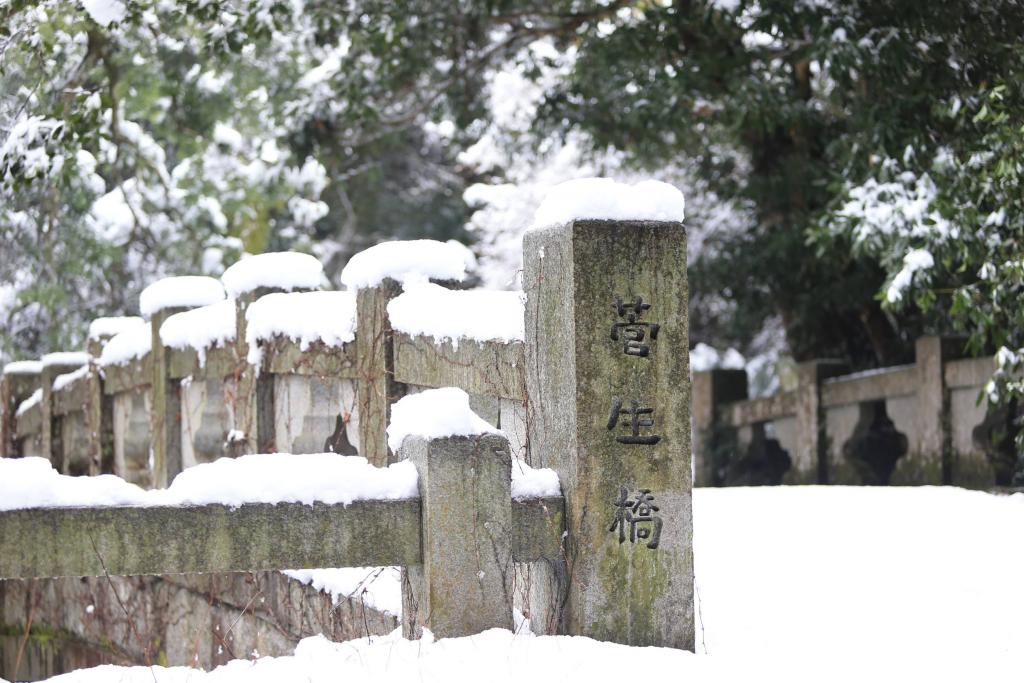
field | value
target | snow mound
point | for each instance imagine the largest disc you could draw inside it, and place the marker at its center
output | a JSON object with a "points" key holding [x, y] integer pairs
{"points": [[265, 478], [447, 314], [201, 328], [378, 588], [187, 291], [408, 261], [108, 327], [61, 381], [303, 317], [286, 478], [65, 358], [134, 342], [434, 414], [607, 199], [26, 405], [24, 367], [533, 482], [285, 270]]}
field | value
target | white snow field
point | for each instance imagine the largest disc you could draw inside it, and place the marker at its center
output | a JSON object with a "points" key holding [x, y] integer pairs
{"points": [[794, 584]]}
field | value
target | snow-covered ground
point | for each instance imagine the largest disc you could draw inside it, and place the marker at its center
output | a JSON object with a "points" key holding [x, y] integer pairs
{"points": [[794, 583]]}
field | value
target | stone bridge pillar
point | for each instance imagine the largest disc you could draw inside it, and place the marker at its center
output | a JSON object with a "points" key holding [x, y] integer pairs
{"points": [[608, 390]]}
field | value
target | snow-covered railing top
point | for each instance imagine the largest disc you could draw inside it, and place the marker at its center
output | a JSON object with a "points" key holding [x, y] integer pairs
{"points": [[186, 291], [408, 262], [105, 328], [284, 271]]}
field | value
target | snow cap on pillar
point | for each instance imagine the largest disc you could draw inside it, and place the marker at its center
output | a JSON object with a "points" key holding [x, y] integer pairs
{"points": [[187, 291], [283, 270]]}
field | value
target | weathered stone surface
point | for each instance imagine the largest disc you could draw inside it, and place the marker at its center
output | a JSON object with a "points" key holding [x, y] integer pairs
{"points": [[282, 356], [464, 584], [165, 540], [578, 372], [314, 415], [484, 368], [207, 417], [50, 427], [131, 436], [537, 525], [809, 460], [862, 388], [14, 388], [55, 542], [969, 372], [131, 376], [165, 406], [30, 423], [377, 388], [749, 412], [201, 620]]}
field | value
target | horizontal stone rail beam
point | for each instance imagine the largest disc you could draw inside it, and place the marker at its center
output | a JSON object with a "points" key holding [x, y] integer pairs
{"points": [[893, 382], [754, 411], [126, 541], [970, 372], [490, 368], [135, 374], [282, 356], [219, 362]]}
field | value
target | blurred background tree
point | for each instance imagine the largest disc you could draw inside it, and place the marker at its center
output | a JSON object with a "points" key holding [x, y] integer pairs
{"points": [[851, 169]]}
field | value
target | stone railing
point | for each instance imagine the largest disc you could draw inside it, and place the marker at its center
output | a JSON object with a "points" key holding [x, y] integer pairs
{"points": [[923, 423], [551, 392]]}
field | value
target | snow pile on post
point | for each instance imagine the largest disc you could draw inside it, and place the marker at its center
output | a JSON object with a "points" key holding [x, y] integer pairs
{"points": [[533, 482], [61, 381], [303, 317], [285, 478], [109, 327], [408, 262], [266, 478], [446, 314], [24, 367], [286, 270], [65, 358], [434, 414], [201, 328], [607, 199], [439, 413], [378, 588], [27, 404], [134, 342], [187, 291]]}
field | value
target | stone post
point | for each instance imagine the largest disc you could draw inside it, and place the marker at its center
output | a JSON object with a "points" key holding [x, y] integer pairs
{"points": [[52, 425], [165, 406], [932, 463], [712, 388], [810, 457], [254, 400], [464, 585], [246, 410], [376, 388], [99, 418], [608, 388], [17, 383]]}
